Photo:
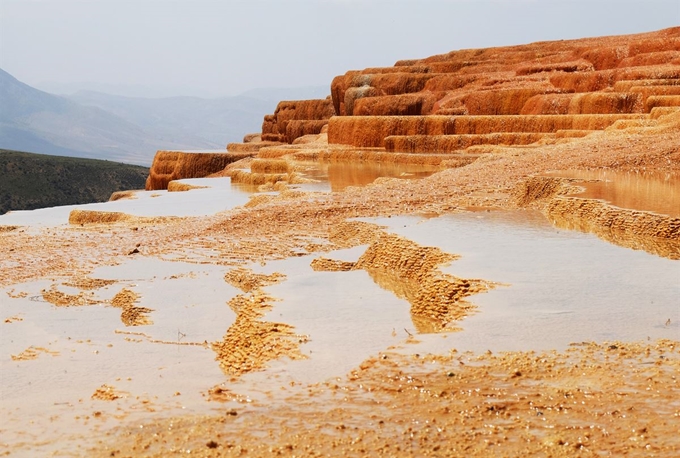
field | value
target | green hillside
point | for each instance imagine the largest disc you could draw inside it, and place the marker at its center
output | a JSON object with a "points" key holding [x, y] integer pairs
{"points": [[29, 181]]}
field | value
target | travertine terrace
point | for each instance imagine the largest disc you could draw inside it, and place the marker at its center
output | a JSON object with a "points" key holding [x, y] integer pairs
{"points": [[494, 123]]}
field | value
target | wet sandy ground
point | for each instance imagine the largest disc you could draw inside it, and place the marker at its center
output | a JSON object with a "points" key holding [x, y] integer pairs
{"points": [[513, 404], [123, 339]]}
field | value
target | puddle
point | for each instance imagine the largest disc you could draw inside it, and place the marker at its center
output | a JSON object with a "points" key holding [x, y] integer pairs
{"points": [[218, 195], [654, 192], [564, 286], [340, 175], [163, 367], [346, 316]]}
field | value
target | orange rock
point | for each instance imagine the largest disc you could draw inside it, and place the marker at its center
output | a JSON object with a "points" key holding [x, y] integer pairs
{"points": [[299, 128], [255, 137], [599, 80], [580, 65], [453, 143], [250, 147], [663, 101], [304, 117], [627, 85], [360, 85], [371, 131], [584, 103], [652, 58], [176, 165], [398, 105], [500, 102], [510, 95], [648, 92]]}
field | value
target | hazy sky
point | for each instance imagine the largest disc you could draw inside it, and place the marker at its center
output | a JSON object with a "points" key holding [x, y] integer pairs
{"points": [[211, 48]]}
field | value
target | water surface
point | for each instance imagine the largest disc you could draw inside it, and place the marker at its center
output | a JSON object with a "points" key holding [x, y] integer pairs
{"points": [[655, 192]]}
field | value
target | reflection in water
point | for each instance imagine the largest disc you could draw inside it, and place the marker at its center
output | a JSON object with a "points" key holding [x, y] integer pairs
{"points": [[412, 292], [655, 192], [340, 175], [651, 232], [565, 286]]}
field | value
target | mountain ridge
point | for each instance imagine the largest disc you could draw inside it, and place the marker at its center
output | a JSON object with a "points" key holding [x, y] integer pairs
{"points": [[92, 124]]}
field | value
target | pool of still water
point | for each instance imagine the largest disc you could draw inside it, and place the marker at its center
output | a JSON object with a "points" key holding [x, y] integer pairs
{"points": [[218, 195], [653, 192], [336, 176], [161, 367], [563, 286]]}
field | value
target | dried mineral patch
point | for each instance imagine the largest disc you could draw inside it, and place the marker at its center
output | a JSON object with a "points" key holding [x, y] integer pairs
{"points": [[5, 228], [13, 319], [609, 398], [247, 280], [176, 186], [131, 315], [61, 299], [121, 195], [250, 342], [88, 283], [331, 265], [412, 272], [33, 352], [108, 393]]}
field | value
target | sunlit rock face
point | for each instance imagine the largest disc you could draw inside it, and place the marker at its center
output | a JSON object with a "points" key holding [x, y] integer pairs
{"points": [[176, 165], [467, 102], [293, 119], [589, 83]]}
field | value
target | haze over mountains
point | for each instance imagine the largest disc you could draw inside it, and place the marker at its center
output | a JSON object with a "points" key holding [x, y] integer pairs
{"points": [[128, 129]]}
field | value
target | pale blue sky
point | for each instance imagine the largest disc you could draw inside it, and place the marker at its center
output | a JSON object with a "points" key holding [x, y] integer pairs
{"points": [[212, 48]]}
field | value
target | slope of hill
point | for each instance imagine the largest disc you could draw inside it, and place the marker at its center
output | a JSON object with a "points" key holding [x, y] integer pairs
{"points": [[31, 181], [38, 121], [128, 129], [123, 129], [201, 123]]}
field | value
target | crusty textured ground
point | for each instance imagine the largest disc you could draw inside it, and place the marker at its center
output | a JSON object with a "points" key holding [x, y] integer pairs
{"points": [[618, 399]]}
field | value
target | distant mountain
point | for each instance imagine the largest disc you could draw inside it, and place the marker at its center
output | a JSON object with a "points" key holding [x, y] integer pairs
{"points": [[130, 129], [140, 91], [124, 90], [31, 181], [288, 93], [206, 123], [37, 121]]}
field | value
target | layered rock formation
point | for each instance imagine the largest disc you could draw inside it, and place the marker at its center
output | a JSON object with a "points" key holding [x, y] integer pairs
{"points": [[459, 102], [293, 119], [449, 102], [175, 165]]}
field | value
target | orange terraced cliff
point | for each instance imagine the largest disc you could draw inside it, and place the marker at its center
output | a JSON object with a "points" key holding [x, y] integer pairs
{"points": [[176, 165], [573, 85], [293, 119], [558, 91]]}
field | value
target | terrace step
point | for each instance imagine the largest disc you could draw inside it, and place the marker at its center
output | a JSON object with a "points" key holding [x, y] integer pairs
{"points": [[585, 103], [626, 85], [371, 131], [456, 143]]}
